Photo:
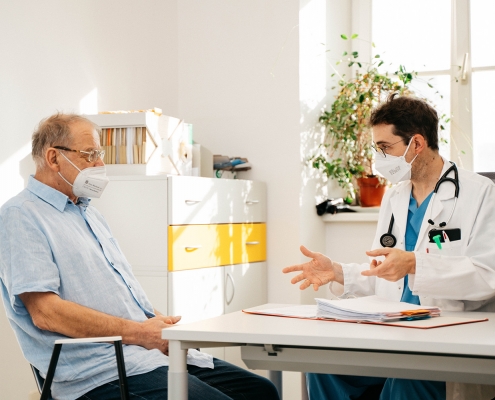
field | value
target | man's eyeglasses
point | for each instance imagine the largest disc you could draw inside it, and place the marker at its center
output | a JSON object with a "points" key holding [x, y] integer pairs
{"points": [[92, 155], [383, 148]]}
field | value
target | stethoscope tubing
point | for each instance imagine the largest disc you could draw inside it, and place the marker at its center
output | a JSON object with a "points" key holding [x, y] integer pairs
{"points": [[389, 240]]}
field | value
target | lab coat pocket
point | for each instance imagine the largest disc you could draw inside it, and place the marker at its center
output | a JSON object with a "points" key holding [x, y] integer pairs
{"points": [[448, 249]]}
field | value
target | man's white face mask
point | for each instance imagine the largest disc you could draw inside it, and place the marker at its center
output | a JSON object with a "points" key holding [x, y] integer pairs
{"points": [[89, 182], [395, 169]]}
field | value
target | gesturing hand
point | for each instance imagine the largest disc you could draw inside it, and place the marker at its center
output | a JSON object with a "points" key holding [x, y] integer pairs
{"points": [[397, 264], [317, 272]]}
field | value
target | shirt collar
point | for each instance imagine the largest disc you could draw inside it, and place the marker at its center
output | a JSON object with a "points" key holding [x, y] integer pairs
{"points": [[52, 196]]}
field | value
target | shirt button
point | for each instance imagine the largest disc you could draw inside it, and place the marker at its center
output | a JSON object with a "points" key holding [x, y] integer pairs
{"points": [[400, 288]]}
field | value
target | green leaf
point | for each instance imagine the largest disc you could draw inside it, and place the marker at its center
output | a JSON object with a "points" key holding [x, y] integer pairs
{"points": [[331, 76], [354, 36], [355, 54], [429, 85], [373, 44], [343, 37], [361, 98], [344, 53], [380, 63], [360, 66], [377, 56], [350, 64]]}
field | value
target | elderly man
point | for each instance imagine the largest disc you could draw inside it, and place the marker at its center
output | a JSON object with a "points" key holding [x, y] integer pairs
{"points": [[62, 275]]}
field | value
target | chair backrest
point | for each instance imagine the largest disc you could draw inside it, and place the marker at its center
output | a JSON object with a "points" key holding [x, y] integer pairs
{"points": [[490, 175]]}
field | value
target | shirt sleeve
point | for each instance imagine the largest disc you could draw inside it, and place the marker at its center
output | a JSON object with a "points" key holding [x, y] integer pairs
{"points": [[27, 263]]}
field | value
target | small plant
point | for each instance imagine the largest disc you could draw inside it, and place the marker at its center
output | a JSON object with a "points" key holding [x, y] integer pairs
{"points": [[346, 153]]}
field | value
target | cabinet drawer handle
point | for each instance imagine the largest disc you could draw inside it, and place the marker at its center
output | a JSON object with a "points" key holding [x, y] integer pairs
{"points": [[192, 202], [252, 243], [251, 202], [191, 248], [229, 277]]}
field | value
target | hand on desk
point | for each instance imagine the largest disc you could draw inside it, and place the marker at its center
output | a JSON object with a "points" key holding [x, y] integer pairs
{"points": [[397, 264], [152, 332], [317, 272]]}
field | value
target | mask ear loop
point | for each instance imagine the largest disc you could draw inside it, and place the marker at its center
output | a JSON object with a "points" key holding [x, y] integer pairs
{"points": [[66, 181]]}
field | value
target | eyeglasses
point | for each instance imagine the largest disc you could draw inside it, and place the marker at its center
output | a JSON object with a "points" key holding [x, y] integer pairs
{"points": [[382, 149], [93, 155]]}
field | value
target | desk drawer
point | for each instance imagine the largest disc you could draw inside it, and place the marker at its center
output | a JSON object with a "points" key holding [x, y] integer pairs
{"points": [[199, 246], [195, 200], [250, 243]]}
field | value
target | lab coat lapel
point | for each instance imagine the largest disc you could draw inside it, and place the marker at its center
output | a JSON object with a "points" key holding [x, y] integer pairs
{"points": [[445, 192], [399, 203]]}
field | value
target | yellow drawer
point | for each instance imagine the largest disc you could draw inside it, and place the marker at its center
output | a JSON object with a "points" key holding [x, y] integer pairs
{"points": [[200, 246], [250, 243]]}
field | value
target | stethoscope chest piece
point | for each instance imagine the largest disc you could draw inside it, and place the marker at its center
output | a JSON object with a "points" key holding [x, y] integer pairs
{"points": [[388, 240]]}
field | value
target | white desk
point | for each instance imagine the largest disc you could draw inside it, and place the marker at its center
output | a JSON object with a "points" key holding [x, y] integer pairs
{"points": [[463, 353]]}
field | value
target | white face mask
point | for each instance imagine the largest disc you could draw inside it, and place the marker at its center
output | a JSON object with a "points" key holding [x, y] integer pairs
{"points": [[90, 182], [395, 169]]}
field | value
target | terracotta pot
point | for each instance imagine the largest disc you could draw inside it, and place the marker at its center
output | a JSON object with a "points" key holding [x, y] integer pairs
{"points": [[371, 191]]}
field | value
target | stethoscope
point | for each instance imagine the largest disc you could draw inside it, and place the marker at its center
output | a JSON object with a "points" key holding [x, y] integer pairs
{"points": [[389, 240]]}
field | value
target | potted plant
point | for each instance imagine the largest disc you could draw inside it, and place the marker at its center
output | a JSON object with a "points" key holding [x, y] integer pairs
{"points": [[346, 154]]}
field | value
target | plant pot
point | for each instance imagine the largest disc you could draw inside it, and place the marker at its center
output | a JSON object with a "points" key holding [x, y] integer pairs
{"points": [[371, 191]]}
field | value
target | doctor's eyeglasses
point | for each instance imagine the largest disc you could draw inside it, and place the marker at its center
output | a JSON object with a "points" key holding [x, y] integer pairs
{"points": [[381, 150], [91, 155]]}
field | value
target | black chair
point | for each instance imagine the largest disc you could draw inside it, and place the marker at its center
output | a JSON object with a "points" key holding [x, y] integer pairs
{"points": [[44, 385]]}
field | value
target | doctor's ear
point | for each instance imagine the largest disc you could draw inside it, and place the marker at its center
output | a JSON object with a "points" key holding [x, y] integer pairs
{"points": [[419, 143]]}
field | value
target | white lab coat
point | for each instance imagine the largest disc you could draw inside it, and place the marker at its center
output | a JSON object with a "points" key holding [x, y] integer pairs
{"points": [[462, 281]]}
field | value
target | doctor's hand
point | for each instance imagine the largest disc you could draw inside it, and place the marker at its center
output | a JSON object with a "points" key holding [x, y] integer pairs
{"points": [[317, 272], [397, 264]]}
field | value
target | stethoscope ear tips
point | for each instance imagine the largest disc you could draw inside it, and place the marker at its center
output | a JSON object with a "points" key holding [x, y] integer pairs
{"points": [[442, 224], [431, 222]]}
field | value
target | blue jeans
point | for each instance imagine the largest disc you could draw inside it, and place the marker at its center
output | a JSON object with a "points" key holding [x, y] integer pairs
{"points": [[224, 382], [344, 387]]}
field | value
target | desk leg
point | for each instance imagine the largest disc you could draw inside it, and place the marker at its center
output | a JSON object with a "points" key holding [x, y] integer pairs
{"points": [[177, 371], [276, 378]]}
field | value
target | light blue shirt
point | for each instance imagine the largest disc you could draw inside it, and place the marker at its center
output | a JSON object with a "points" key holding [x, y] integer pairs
{"points": [[50, 244], [415, 216]]}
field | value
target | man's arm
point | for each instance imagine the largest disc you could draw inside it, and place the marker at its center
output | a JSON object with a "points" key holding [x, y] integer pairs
{"points": [[49, 312]]}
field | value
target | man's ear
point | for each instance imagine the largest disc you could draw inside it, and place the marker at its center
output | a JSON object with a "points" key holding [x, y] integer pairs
{"points": [[419, 143], [52, 160]]}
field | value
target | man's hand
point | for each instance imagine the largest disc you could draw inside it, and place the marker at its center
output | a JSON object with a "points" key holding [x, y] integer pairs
{"points": [[397, 264], [317, 272], [152, 332]]}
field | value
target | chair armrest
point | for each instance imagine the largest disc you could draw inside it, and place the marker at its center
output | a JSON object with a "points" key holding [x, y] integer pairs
{"points": [[89, 340], [117, 342]]}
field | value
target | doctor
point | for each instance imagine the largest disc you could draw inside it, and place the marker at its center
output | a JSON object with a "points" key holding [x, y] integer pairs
{"points": [[431, 194]]}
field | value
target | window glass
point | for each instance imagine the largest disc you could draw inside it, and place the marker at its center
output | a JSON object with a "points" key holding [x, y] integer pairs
{"points": [[482, 32], [483, 127], [413, 33]]}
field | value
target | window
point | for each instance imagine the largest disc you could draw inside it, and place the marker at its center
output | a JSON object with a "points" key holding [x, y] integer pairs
{"points": [[450, 44]]}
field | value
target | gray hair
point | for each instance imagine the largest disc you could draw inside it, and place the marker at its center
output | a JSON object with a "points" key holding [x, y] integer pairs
{"points": [[54, 131]]}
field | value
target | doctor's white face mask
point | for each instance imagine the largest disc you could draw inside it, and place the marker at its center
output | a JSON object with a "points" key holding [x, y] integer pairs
{"points": [[90, 182], [395, 169]]}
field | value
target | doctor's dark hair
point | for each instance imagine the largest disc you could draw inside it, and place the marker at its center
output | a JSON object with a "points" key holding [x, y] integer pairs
{"points": [[409, 116], [54, 131]]}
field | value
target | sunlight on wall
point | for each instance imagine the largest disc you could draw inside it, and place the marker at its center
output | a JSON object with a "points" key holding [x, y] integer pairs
{"points": [[312, 38], [11, 171], [89, 103]]}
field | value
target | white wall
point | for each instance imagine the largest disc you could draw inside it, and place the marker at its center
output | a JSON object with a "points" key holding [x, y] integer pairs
{"points": [[53, 54], [238, 86]]}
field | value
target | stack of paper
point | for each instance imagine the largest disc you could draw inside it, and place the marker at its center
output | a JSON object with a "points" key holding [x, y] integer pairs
{"points": [[373, 309]]}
